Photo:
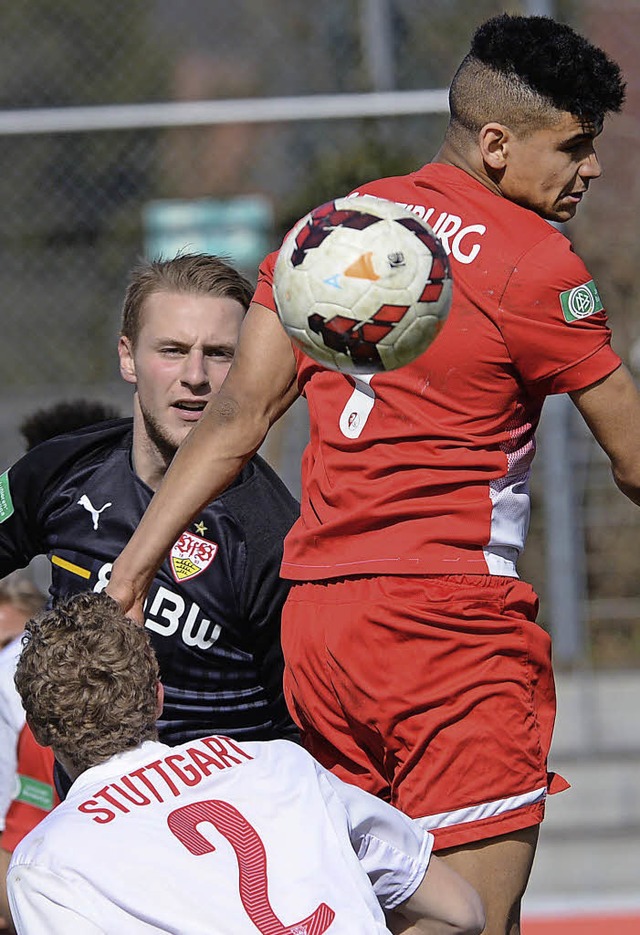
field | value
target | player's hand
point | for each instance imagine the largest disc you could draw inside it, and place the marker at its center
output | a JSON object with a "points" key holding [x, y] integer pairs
{"points": [[123, 590]]}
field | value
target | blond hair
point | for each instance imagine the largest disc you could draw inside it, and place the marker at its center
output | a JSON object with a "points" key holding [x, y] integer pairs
{"points": [[185, 274]]}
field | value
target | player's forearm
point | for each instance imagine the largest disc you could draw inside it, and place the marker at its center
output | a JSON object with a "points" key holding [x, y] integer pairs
{"points": [[611, 409], [443, 904], [5, 912]]}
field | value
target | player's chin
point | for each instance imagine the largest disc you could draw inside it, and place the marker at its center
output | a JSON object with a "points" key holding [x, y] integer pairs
{"points": [[566, 209], [176, 432]]}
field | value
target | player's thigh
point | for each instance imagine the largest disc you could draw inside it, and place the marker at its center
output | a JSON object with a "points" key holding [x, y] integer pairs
{"points": [[499, 870], [437, 689], [338, 736], [465, 702]]}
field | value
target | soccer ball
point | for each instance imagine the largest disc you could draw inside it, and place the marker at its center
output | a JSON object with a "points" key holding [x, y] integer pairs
{"points": [[362, 285]]}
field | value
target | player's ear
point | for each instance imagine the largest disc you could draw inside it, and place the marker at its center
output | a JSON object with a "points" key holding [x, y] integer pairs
{"points": [[493, 141], [159, 699], [127, 362]]}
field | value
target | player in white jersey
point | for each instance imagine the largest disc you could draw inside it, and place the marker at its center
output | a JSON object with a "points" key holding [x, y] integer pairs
{"points": [[213, 836]]}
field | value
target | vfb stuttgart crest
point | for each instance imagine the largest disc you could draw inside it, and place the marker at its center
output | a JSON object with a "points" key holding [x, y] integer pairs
{"points": [[191, 555]]}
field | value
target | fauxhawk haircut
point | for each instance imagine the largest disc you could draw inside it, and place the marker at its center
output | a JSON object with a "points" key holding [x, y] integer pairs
{"points": [[522, 69]]}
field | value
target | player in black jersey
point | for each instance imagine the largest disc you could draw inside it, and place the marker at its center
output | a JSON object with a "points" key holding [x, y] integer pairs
{"points": [[214, 608]]}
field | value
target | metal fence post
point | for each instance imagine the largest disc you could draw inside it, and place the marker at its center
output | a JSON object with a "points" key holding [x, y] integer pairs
{"points": [[564, 531]]}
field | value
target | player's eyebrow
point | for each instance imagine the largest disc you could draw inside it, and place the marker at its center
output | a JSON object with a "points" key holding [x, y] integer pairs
{"points": [[575, 139], [174, 342], [588, 131], [221, 348]]}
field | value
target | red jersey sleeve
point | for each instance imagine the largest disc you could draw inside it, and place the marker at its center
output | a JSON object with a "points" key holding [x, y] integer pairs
{"points": [[264, 289], [36, 793], [553, 321]]}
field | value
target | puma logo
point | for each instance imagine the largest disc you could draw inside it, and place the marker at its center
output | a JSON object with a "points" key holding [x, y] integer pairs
{"points": [[95, 514]]}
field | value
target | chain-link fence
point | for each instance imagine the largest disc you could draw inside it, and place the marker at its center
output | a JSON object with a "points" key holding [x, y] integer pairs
{"points": [[78, 208]]}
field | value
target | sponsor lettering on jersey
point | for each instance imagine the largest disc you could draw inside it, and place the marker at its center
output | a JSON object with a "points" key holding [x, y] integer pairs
{"points": [[191, 555], [34, 792], [460, 240], [163, 779], [167, 613], [6, 503], [580, 302]]}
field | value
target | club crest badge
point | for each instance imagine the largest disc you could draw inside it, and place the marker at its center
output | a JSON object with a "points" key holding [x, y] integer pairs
{"points": [[190, 556]]}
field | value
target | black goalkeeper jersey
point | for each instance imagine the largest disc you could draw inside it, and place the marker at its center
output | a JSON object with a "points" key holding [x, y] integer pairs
{"points": [[213, 610]]}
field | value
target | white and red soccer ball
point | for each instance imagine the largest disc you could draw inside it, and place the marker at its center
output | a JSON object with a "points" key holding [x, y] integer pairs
{"points": [[362, 285]]}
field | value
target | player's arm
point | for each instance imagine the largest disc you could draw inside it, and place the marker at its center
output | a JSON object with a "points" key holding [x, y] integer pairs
{"points": [[611, 409], [42, 903], [395, 853], [5, 915], [443, 904], [21, 492], [260, 386]]}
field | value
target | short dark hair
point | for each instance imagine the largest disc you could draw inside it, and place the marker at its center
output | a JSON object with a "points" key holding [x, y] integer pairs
{"points": [[87, 677], [65, 416], [519, 65], [187, 273]]}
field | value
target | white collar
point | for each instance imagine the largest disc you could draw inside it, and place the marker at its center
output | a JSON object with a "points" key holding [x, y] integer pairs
{"points": [[118, 765]]}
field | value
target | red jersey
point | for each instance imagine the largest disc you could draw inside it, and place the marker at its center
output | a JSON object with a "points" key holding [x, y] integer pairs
{"points": [[35, 795], [425, 470]]}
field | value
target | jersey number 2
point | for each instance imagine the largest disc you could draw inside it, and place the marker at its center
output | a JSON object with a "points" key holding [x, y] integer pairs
{"points": [[252, 864]]}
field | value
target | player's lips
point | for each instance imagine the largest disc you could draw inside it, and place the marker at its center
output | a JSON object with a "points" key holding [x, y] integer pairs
{"points": [[190, 409], [576, 196]]}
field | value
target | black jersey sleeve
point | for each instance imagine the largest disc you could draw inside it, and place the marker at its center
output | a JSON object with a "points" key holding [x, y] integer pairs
{"points": [[266, 510], [21, 488], [30, 490]]}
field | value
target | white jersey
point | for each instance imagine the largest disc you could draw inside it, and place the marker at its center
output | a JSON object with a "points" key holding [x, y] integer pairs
{"points": [[215, 836], [12, 720]]}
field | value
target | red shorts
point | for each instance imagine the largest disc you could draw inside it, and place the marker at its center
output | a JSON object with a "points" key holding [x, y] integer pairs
{"points": [[435, 693]]}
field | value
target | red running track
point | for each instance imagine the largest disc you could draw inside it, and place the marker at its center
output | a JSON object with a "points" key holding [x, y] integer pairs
{"points": [[601, 923]]}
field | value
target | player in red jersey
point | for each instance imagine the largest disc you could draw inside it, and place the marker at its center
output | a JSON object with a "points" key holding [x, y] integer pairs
{"points": [[413, 661]]}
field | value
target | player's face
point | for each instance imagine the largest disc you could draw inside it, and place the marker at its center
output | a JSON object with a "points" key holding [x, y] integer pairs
{"points": [[12, 621], [549, 170], [183, 353]]}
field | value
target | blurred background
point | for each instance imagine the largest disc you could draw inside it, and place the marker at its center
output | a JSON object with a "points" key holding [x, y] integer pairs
{"points": [[147, 126]]}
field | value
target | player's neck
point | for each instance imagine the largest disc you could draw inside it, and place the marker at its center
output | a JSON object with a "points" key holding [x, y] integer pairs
{"points": [[470, 162], [149, 463], [151, 454], [67, 765]]}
